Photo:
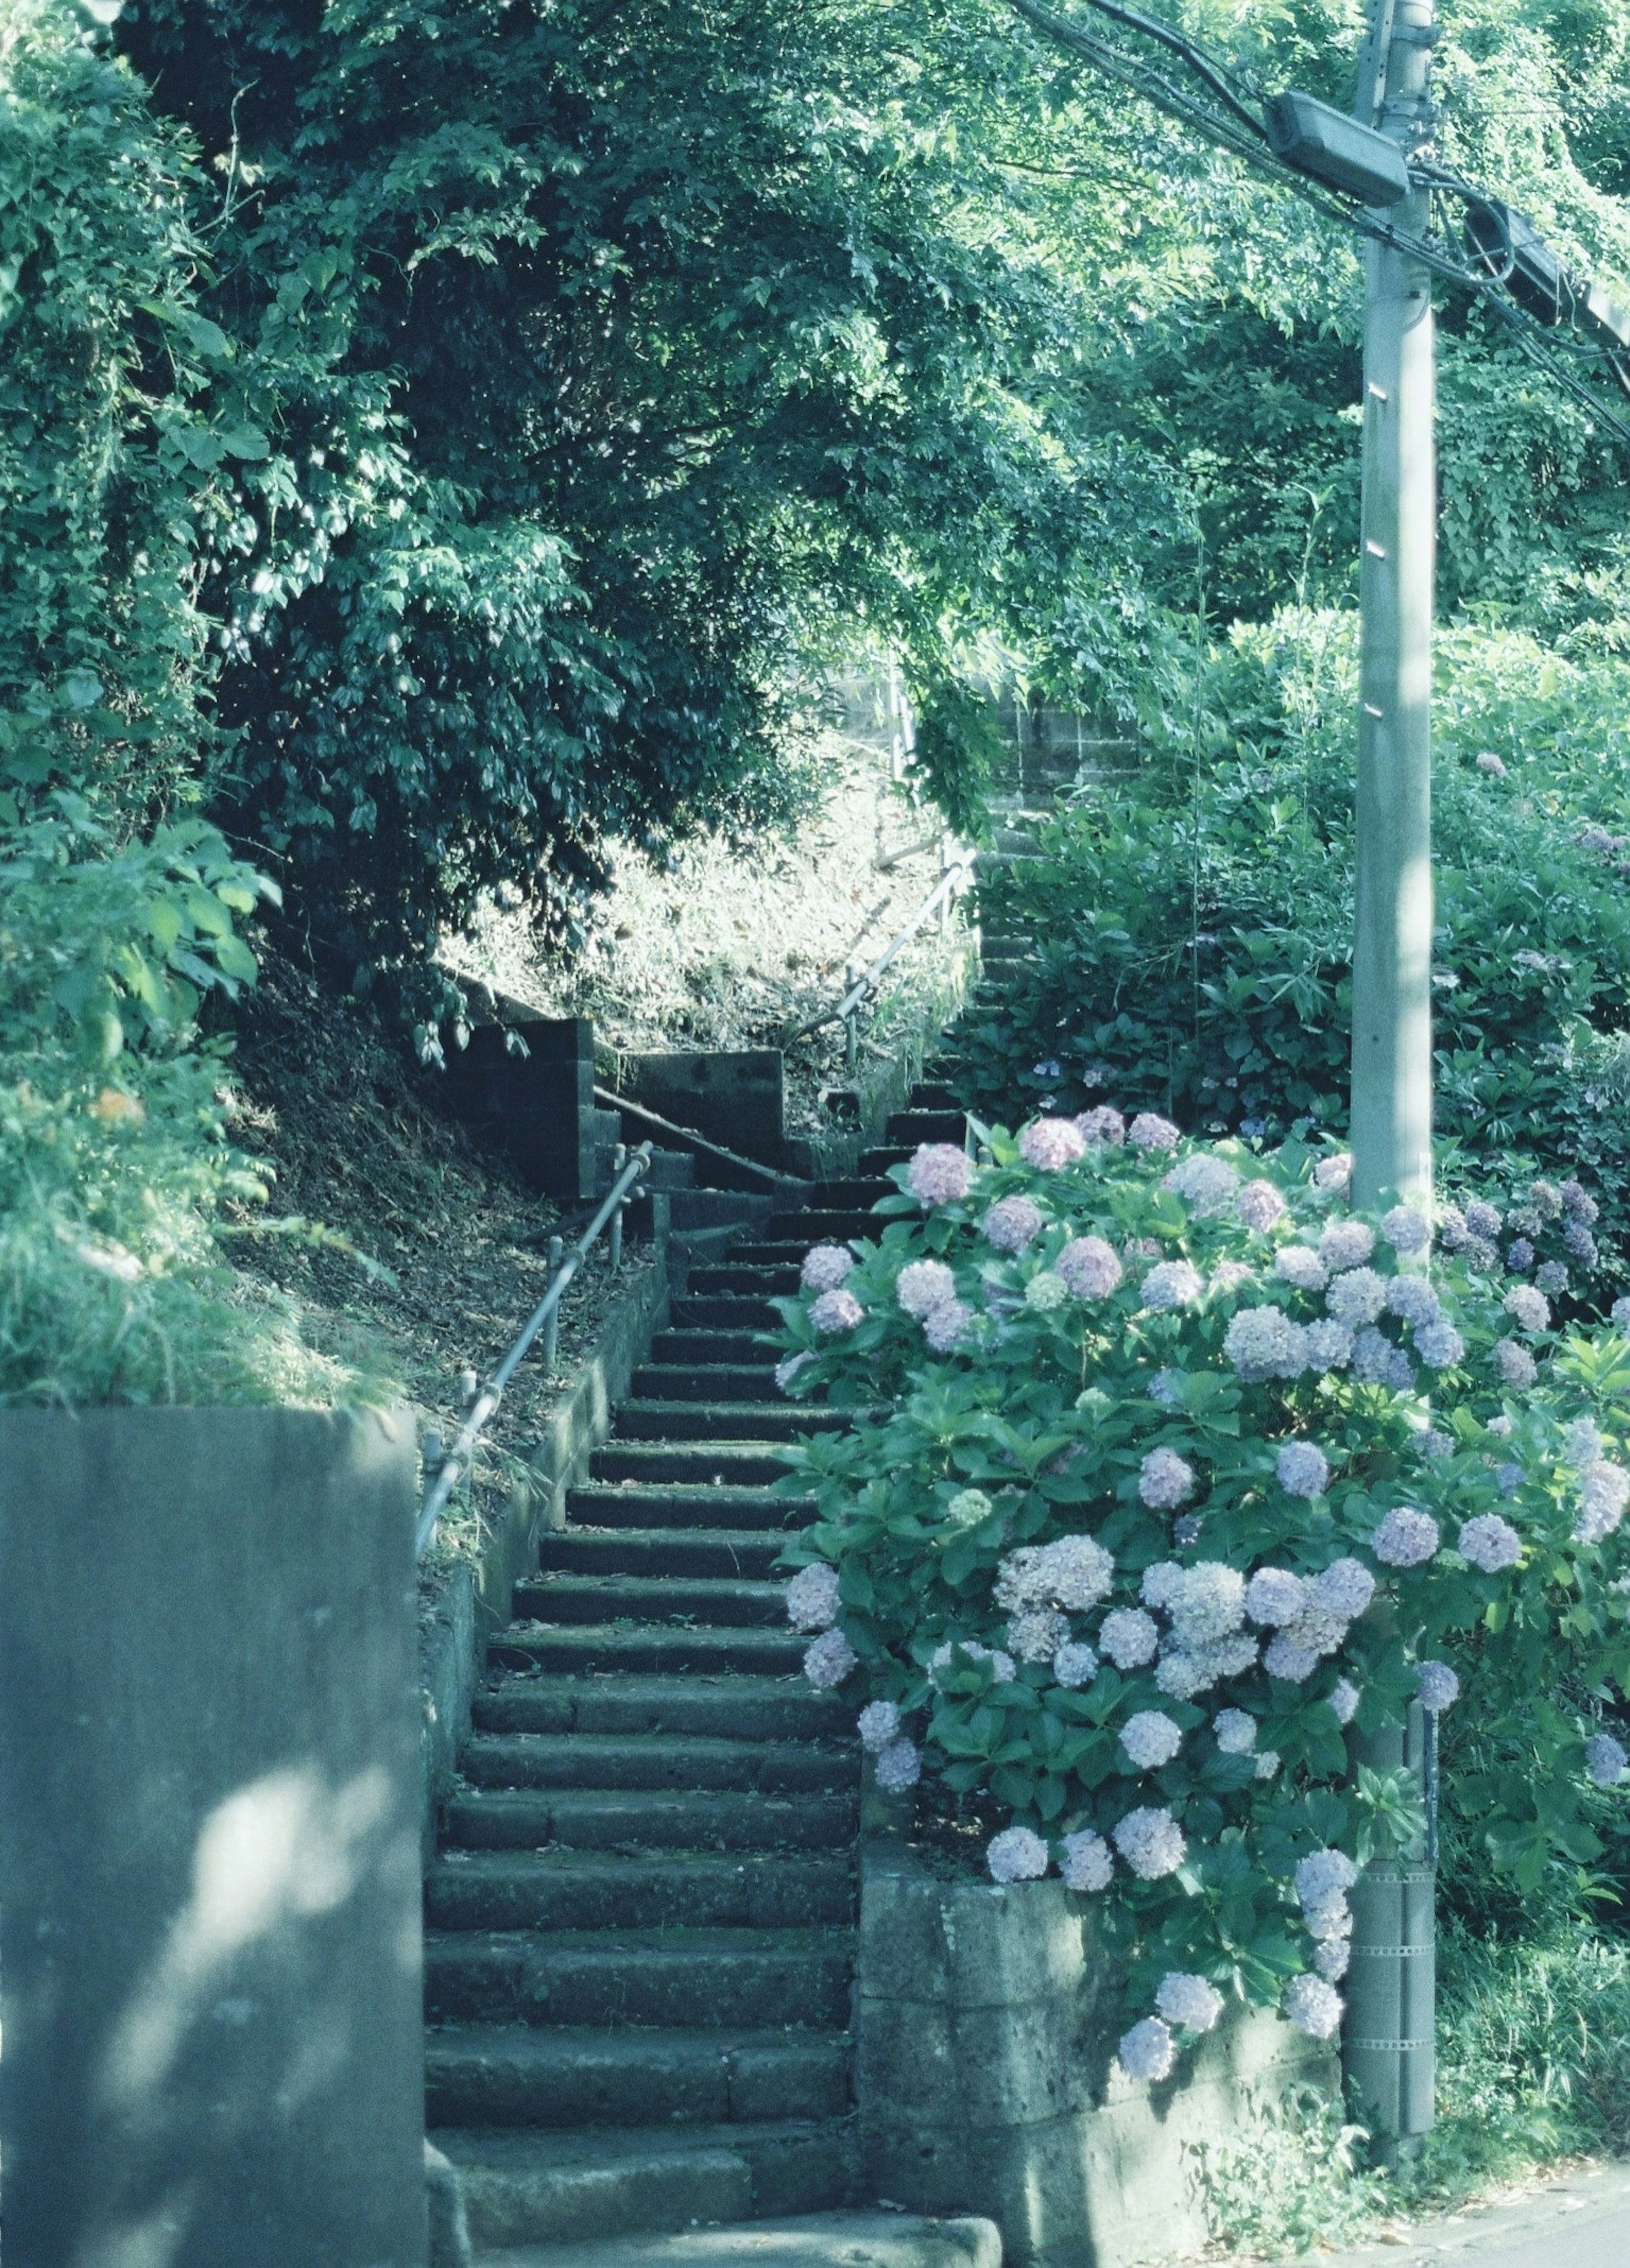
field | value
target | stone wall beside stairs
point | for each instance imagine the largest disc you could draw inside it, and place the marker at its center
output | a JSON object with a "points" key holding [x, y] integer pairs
{"points": [[986, 2026]]}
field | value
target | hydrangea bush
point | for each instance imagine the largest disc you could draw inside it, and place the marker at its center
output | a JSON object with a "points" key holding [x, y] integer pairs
{"points": [[1166, 1468]]}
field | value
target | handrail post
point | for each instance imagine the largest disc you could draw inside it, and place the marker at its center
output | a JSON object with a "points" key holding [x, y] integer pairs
{"points": [[852, 1041], [619, 1158], [551, 1329]]}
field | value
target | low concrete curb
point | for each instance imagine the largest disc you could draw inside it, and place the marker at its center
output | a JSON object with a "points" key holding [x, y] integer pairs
{"points": [[477, 1598], [986, 2019]]}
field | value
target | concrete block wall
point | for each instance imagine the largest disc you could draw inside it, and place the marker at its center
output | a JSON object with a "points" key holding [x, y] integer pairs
{"points": [[986, 2018]]}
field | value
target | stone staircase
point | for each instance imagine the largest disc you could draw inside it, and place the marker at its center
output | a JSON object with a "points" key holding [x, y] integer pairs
{"points": [[641, 1920]]}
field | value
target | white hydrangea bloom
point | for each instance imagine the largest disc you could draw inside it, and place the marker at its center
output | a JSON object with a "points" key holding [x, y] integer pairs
{"points": [[1344, 1590], [1172, 1283], [1016, 1855], [1344, 1700], [968, 1506], [1514, 1365], [1440, 1346], [1268, 1761], [1160, 1582], [1049, 1145], [1275, 1597], [828, 1660], [812, 1597], [1435, 1443], [1165, 1480], [1323, 1875], [1327, 1919], [899, 1766], [1406, 1538], [1490, 1544], [1078, 1572], [878, 1724], [1128, 1637], [1150, 1739], [1046, 1292], [1357, 1297], [1022, 1579], [1603, 1491], [836, 1311], [1606, 1760], [1236, 1731], [1012, 1223], [940, 1174], [1333, 1172], [1330, 1958], [1263, 1343], [1230, 1276], [1499, 1426], [1345, 1244], [1529, 1308], [789, 1367], [1406, 1229], [1188, 2000], [1313, 2006], [1300, 1266], [922, 1285], [1438, 1686], [950, 1327], [1285, 1660], [1088, 1862], [1075, 1665], [1149, 1130], [1147, 2051], [1036, 1634], [825, 1267], [1582, 1441], [1151, 1842], [943, 1658], [1207, 1603], [1329, 1345], [1414, 1300], [1090, 1267], [1302, 1469], [1260, 1206], [1206, 1184], [1166, 1388]]}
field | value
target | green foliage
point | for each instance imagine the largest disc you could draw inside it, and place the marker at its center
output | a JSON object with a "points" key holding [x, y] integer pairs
{"points": [[115, 1160], [1193, 929], [1077, 1394]]}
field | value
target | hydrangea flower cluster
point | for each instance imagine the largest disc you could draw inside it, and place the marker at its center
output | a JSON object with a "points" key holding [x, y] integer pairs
{"points": [[1184, 1467]]}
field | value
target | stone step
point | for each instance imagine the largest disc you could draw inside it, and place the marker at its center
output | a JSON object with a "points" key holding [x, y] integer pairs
{"points": [[730, 1280], [695, 1208], [828, 1225], [823, 2239], [648, 1819], [687, 1346], [929, 1094], [740, 1464], [714, 1382], [789, 1252], [642, 1889], [743, 1708], [727, 1311], [729, 1602], [656, 1760], [696, 1979], [606, 1504], [653, 1551], [501, 2075], [857, 1194], [725, 1423], [877, 1162], [915, 1126], [582, 1649], [565, 2188], [670, 1169]]}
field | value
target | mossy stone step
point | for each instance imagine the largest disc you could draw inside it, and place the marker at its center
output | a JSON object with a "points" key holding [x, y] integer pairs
{"points": [[649, 1819], [914, 1126], [739, 1708], [640, 1890], [732, 1601], [584, 1648], [717, 1381], [633, 1504], [858, 1194], [836, 1225], [493, 2075], [724, 1423], [724, 1312], [742, 1463], [714, 1980], [878, 1161], [712, 1346], [663, 1552], [657, 1760], [842, 2239], [556, 2188]]}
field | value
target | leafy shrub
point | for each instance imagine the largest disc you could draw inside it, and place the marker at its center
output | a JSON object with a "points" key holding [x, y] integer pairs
{"points": [[1116, 1388], [1192, 932], [115, 1160]]}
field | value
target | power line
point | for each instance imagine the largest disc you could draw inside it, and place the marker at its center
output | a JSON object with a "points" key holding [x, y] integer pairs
{"points": [[1242, 135]]}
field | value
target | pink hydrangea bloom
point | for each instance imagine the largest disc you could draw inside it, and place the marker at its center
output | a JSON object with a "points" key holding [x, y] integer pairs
{"points": [[836, 1311], [1101, 1127], [825, 1267], [1406, 1538], [940, 1174], [1016, 1855], [1259, 1205], [1165, 1480], [1050, 1145], [922, 1285], [1090, 1267], [1012, 1223], [949, 1326], [1150, 1131]]}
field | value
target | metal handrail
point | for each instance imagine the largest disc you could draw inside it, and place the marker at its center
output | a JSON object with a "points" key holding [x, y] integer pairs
{"points": [[956, 877], [544, 1317]]}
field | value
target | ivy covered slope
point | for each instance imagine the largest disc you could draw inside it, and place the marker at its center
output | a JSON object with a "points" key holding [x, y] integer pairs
{"points": [[1184, 1467]]}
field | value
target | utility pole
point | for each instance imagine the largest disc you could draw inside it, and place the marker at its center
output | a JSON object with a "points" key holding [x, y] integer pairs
{"points": [[1392, 945], [1387, 2044]]}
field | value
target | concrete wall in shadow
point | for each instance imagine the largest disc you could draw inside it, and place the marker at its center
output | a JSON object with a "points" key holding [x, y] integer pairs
{"points": [[210, 1962]]}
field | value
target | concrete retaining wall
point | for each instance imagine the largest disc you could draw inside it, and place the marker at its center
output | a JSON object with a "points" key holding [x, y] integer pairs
{"points": [[477, 1598], [985, 2027], [209, 1978]]}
